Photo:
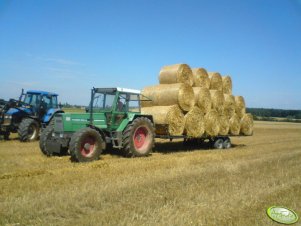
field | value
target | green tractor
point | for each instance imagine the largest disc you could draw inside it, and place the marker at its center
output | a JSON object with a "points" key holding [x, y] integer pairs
{"points": [[113, 119]]}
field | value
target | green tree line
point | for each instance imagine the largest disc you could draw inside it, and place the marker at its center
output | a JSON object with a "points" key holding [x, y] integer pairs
{"points": [[279, 113]]}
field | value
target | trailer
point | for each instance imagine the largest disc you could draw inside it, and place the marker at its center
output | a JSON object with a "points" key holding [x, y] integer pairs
{"points": [[113, 119]]}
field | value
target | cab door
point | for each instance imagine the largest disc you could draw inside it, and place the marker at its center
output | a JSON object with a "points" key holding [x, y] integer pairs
{"points": [[120, 111]]}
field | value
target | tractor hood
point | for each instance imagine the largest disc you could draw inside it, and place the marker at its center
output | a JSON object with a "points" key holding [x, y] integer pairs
{"points": [[72, 122], [14, 111]]}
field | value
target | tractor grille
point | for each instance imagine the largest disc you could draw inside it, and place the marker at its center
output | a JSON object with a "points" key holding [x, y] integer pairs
{"points": [[58, 125]]}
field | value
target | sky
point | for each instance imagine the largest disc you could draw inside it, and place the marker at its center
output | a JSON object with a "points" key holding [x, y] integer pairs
{"points": [[70, 46]]}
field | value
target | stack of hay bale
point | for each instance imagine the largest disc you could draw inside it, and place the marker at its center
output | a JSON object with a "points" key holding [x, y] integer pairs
{"points": [[195, 103]]}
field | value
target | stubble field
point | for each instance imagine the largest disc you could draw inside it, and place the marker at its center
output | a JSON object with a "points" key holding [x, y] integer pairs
{"points": [[176, 185]]}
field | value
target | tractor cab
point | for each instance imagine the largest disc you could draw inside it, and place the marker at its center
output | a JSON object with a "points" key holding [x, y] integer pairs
{"points": [[115, 103], [39, 102]]}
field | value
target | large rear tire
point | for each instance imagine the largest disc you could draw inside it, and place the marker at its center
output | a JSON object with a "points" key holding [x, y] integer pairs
{"points": [[138, 138], [28, 130], [86, 145]]}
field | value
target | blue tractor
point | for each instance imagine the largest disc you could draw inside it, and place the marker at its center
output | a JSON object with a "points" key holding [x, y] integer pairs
{"points": [[28, 115]]}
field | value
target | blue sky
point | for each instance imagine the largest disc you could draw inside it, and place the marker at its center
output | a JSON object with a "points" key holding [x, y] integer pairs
{"points": [[69, 46]]}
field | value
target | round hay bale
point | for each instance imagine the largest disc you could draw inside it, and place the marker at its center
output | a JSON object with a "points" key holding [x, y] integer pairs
{"points": [[200, 78], [234, 125], [212, 123], [224, 125], [194, 123], [229, 105], [170, 116], [169, 94], [202, 98], [227, 84], [240, 106], [216, 81], [246, 125], [177, 73], [217, 99]]}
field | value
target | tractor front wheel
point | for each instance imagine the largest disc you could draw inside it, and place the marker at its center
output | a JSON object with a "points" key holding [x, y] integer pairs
{"points": [[28, 130], [138, 138], [86, 145], [48, 145]]}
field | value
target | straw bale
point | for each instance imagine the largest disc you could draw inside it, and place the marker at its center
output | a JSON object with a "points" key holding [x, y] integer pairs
{"points": [[229, 105], [246, 125], [240, 106], [227, 84], [200, 78], [177, 73], [169, 94], [217, 99], [202, 98], [170, 116], [212, 123], [194, 123], [224, 125], [216, 81], [234, 125]]}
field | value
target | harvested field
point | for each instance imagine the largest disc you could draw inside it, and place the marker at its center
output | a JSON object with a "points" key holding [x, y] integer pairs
{"points": [[176, 185]]}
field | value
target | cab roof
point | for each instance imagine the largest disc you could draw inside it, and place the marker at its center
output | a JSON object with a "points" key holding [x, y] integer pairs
{"points": [[41, 92], [112, 90]]}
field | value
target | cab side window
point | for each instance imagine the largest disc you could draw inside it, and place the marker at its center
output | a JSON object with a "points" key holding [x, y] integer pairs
{"points": [[121, 103]]}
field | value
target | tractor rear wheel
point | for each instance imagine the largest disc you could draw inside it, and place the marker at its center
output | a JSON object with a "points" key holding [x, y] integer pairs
{"points": [[138, 138], [86, 145], [28, 130]]}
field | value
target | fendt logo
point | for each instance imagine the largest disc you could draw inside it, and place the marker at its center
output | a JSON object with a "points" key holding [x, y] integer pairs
{"points": [[282, 215]]}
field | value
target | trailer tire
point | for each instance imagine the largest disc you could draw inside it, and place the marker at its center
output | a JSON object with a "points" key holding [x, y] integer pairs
{"points": [[218, 143], [28, 130], [227, 143], [138, 138], [86, 145]]}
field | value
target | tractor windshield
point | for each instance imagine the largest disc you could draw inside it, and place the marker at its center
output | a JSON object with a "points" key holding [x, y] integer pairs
{"points": [[103, 102], [32, 99]]}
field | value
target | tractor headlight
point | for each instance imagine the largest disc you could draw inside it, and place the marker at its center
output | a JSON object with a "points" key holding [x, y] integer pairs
{"points": [[8, 116]]}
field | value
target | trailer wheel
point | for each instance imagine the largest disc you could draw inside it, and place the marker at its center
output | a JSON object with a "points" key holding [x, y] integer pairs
{"points": [[28, 130], [86, 145], [227, 143], [218, 143], [138, 138]]}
